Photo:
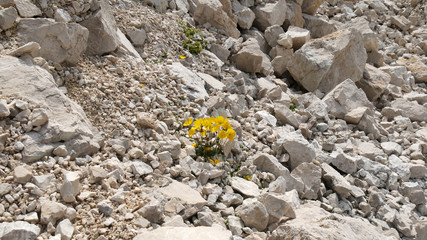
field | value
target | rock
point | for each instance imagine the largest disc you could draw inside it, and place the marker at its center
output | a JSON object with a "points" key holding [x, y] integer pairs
{"points": [[285, 41], [391, 148], [7, 3], [334, 180], [8, 17], [140, 168], [399, 75], [102, 28], [299, 36], [269, 163], [59, 42], [193, 84], [186, 195], [185, 233], [18, 231], [323, 63], [310, 175], [286, 116], [401, 22], [355, 115], [5, 188], [66, 229], [245, 16], [70, 186], [414, 192], [51, 212], [211, 83], [251, 59], [215, 13], [27, 9], [270, 14], [272, 33], [62, 16], [44, 181], [404, 224], [126, 48], [418, 170], [374, 82], [235, 225], [4, 110], [399, 167], [253, 213], [344, 162], [293, 15], [369, 150], [369, 36], [159, 5], [259, 115], [317, 26], [105, 208], [245, 187], [278, 206], [38, 118], [312, 221], [416, 66], [344, 98], [137, 36], [310, 6], [421, 228], [410, 109], [28, 48], [22, 174], [97, 174], [299, 149]]}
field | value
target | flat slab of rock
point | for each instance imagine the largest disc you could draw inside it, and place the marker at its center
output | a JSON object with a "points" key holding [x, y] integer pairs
{"points": [[244, 186], [251, 59], [67, 123], [193, 84], [18, 230], [411, 109], [324, 63], [334, 180], [185, 233], [374, 82], [312, 221]]}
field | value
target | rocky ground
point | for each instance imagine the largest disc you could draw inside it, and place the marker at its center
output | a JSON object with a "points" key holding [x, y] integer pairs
{"points": [[328, 100]]}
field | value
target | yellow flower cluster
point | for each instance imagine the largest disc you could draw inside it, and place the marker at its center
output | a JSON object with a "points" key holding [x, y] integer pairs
{"points": [[211, 124]]}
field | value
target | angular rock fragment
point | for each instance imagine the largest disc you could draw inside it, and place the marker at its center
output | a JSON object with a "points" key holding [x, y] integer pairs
{"points": [[410, 109], [317, 26], [324, 63], [278, 206], [185, 233], [334, 180], [7, 17], [253, 213], [310, 6], [374, 82], [310, 175], [270, 14], [299, 149], [51, 212], [193, 84], [299, 36], [18, 230], [251, 59], [27, 9], [60, 42], [244, 187]]}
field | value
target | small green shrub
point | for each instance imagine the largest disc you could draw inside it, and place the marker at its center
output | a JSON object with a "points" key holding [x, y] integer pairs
{"points": [[194, 41]]}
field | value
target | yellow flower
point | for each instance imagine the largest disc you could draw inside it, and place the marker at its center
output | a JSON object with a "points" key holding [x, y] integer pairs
{"points": [[194, 144], [207, 149], [217, 161], [182, 56], [247, 177], [207, 123], [214, 162], [142, 84], [215, 128], [226, 126], [222, 134], [188, 122], [231, 134], [192, 131], [203, 132], [220, 120], [198, 124]]}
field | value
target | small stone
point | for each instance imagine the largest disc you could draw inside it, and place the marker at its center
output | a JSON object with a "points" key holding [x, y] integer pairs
{"points": [[97, 174], [60, 151], [51, 212], [22, 174], [137, 37], [62, 16], [140, 168], [66, 229], [4, 110], [253, 213], [8, 17], [244, 186], [27, 9], [105, 208], [70, 187], [5, 188]]}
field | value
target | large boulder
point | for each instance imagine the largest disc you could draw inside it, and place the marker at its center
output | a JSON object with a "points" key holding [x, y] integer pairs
{"points": [[61, 121], [270, 14], [317, 26], [103, 37], [325, 62], [59, 42], [314, 223], [215, 13]]}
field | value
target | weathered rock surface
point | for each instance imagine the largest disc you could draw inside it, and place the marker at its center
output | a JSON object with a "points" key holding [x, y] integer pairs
{"points": [[185, 233], [193, 84], [324, 63], [67, 122], [251, 59], [270, 14], [59, 42], [374, 82], [18, 230]]}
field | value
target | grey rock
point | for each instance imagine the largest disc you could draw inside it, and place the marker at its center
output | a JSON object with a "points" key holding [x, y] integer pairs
{"points": [[27, 9], [245, 16], [51, 212], [193, 84], [344, 162], [44, 181], [310, 6], [299, 149], [253, 213], [374, 82], [245, 187], [5, 188], [62, 16], [22, 174], [334, 180], [60, 42], [8, 17], [399, 75], [270, 14], [66, 229], [399, 167], [103, 37], [70, 186], [391, 148], [285, 115], [140, 168], [18, 231], [410, 109], [317, 26], [310, 175], [4, 110], [323, 63], [137, 36], [272, 33], [278, 206], [105, 208], [251, 59]]}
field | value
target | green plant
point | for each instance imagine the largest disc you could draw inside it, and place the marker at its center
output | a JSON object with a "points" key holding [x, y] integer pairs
{"points": [[194, 41], [210, 135], [293, 107]]}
